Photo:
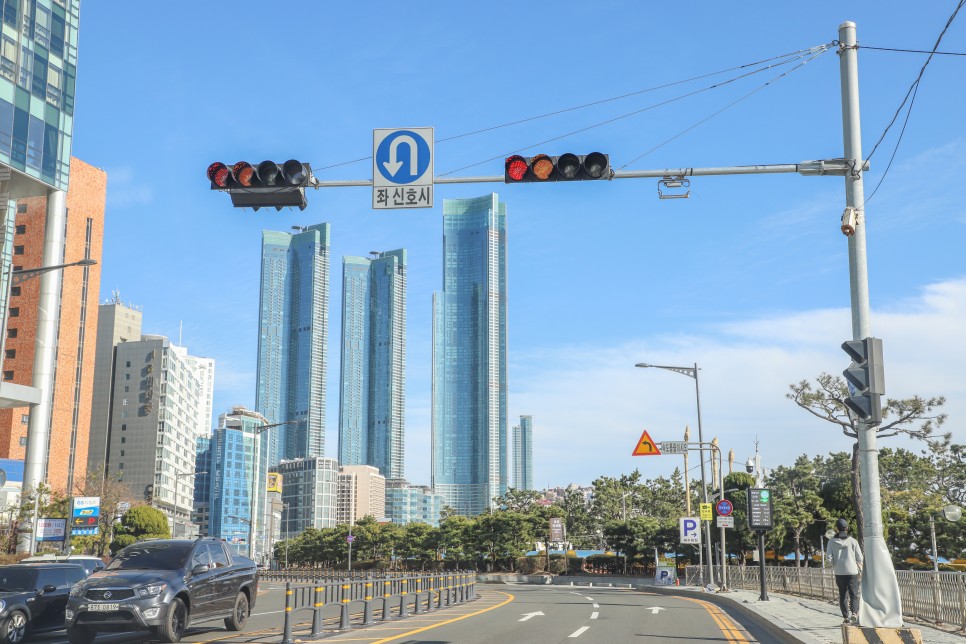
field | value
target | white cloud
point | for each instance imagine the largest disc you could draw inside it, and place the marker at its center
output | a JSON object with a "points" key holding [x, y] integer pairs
{"points": [[590, 404]]}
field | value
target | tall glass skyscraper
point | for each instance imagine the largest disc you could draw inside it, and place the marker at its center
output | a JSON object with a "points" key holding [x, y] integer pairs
{"points": [[293, 326], [372, 396], [469, 357], [523, 454]]}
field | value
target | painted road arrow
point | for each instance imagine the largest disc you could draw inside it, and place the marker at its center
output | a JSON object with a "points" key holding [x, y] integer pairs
{"points": [[655, 609], [527, 616]]}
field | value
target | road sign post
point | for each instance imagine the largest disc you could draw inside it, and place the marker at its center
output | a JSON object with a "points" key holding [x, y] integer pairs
{"points": [[402, 168]]}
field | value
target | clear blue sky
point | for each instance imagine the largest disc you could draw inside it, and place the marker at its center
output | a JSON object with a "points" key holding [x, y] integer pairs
{"points": [[748, 277]]}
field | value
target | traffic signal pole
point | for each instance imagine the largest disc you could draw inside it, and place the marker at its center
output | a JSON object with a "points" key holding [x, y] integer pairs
{"points": [[881, 603]]}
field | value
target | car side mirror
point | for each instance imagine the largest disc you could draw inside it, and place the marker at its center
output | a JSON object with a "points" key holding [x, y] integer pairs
{"points": [[50, 588], [199, 569]]}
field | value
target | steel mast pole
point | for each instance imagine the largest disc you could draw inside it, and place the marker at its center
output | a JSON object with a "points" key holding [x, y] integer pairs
{"points": [[881, 603], [704, 480]]}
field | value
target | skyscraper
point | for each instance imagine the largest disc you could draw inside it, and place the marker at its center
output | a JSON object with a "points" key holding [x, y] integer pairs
{"points": [[523, 454], [292, 336], [372, 394], [469, 357]]}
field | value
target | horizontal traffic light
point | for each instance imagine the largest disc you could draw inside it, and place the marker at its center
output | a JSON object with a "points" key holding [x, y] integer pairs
{"points": [[268, 184], [566, 167]]}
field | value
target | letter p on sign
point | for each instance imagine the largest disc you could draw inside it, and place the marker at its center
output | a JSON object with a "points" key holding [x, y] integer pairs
{"points": [[690, 533]]}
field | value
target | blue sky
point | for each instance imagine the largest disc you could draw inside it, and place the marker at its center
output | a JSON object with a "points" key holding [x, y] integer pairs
{"points": [[748, 277]]}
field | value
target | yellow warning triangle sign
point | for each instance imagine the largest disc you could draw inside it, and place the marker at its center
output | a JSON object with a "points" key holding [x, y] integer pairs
{"points": [[646, 446]]}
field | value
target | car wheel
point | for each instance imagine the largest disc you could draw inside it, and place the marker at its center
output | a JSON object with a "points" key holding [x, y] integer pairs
{"points": [[175, 622], [14, 628], [80, 635], [239, 614]]}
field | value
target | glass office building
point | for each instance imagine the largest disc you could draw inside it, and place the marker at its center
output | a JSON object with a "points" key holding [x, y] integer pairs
{"points": [[523, 454], [292, 336], [469, 420], [373, 368]]}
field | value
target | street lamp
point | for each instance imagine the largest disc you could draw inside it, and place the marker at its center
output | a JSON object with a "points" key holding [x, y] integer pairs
{"points": [[177, 497], [35, 459], [256, 458], [692, 372], [951, 513]]}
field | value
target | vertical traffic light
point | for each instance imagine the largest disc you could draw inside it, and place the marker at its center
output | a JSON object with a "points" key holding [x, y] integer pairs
{"points": [[267, 184], [566, 167], [866, 377]]}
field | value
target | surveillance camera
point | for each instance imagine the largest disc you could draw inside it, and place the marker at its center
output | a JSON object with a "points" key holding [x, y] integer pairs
{"points": [[849, 219], [750, 469]]}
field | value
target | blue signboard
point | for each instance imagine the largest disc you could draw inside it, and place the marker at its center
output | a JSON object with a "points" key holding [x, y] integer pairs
{"points": [[403, 157], [85, 512], [82, 532]]}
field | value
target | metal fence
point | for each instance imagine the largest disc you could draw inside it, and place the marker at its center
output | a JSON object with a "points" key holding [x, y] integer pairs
{"points": [[939, 598], [330, 574], [416, 594]]}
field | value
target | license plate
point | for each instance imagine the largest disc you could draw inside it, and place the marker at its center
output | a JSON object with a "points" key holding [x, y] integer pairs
{"points": [[103, 608]]}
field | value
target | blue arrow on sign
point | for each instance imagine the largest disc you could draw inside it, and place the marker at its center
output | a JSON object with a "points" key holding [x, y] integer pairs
{"points": [[403, 157]]}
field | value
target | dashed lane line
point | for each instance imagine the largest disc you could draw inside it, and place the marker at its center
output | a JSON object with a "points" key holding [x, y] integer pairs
{"points": [[594, 615], [579, 631]]}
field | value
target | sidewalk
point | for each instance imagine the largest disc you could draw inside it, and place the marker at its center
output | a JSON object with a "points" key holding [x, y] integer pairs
{"points": [[813, 621]]}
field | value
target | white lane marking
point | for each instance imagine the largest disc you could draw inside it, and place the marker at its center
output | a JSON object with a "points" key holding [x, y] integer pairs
{"points": [[596, 605], [654, 609], [579, 631], [590, 599], [594, 615], [574, 592], [271, 612], [527, 616]]}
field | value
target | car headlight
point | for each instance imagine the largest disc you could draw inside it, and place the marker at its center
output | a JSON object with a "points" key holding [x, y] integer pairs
{"points": [[151, 590], [76, 590], [3, 605]]}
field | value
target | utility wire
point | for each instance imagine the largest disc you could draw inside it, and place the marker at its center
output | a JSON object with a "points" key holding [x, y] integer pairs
{"points": [[820, 49], [914, 51], [726, 107], [794, 55], [911, 98]]}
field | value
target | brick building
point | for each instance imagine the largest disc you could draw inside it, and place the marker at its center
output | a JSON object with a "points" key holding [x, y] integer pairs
{"points": [[70, 413]]}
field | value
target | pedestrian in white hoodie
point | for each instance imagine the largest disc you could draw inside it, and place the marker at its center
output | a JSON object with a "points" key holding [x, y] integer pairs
{"points": [[846, 558]]}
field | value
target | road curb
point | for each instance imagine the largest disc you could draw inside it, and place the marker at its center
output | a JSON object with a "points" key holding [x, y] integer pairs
{"points": [[773, 629]]}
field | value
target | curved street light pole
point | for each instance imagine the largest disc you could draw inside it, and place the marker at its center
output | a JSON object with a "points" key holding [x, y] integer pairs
{"points": [[692, 372]]}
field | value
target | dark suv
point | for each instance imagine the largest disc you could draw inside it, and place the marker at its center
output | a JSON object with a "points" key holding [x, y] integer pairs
{"points": [[165, 586], [33, 597]]}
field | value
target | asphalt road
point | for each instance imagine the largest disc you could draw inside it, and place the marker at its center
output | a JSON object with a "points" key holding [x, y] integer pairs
{"points": [[503, 613]]}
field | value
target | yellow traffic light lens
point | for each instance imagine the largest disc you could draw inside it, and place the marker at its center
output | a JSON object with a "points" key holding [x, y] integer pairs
{"points": [[541, 167]]}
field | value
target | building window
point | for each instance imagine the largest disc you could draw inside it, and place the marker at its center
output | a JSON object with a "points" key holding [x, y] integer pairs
{"points": [[21, 208], [8, 375], [18, 250], [123, 428], [128, 363], [15, 311], [23, 441], [11, 333], [24, 418], [11, 353], [21, 229], [123, 439], [15, 291]]}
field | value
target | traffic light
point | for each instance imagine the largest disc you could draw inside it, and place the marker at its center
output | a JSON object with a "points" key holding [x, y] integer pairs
{"points": [[566, 167], [866, 378], [148, 493], [267, 184]]}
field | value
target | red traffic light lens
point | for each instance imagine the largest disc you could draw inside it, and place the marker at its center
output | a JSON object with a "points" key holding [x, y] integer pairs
{"points": [[516, 167], [218, 174], [293, 172], [568, 165], [541, 166], [595, 164], [243, 173], [267, 173]]}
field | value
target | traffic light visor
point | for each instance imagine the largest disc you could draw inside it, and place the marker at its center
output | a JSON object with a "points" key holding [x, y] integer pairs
{"points": [[243, 173], [293, 172], [267, 173], [516, 167], [218, 174]]}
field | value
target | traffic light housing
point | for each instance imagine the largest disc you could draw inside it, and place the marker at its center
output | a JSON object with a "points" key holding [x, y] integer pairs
{"points": [[566, 167], [267, 184], [866, 378], [149, 493]]}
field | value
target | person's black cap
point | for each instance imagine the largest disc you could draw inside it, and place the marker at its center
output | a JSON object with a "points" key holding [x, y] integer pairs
{"points": [[842, 525]]}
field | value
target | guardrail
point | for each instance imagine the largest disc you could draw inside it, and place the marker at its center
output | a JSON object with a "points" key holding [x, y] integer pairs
{"points": [[927, 596], [329, 574], [418, 593]]}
